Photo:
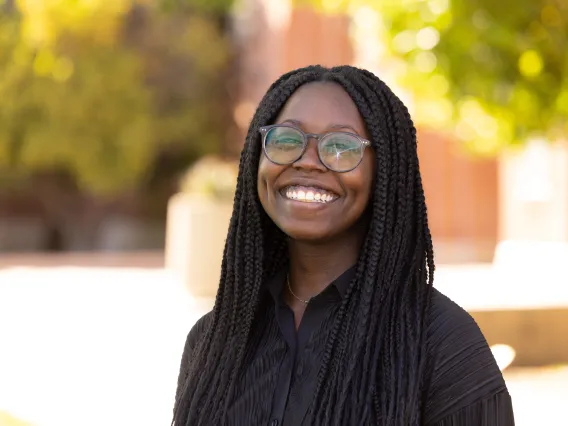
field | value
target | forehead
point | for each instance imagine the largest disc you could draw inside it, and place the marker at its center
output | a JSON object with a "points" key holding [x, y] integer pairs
{"points": [[320, 105]]}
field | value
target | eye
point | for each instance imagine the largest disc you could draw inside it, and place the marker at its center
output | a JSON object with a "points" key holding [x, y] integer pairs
{"points": [[337, 146], [340, 144], [288, 140], [285, 138]]}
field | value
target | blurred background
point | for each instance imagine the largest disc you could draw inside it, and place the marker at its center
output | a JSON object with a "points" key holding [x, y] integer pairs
{"points": [[121, 123]]}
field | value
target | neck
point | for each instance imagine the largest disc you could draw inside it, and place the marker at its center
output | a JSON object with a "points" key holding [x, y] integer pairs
{"points": [[313, 266]]}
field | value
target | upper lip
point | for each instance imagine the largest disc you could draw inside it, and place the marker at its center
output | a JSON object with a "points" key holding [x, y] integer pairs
{"points": [[308, 183]]}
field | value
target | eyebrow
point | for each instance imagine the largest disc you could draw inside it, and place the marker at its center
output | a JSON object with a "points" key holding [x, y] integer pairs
{"points": [[334, 126]]}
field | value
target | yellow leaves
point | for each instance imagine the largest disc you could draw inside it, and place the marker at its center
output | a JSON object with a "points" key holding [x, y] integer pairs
{"points": [[502, 72], [432, 107], [438, 7], [44, 21], [326, 6], [475, 121], [530, 63], [43, 62], [62, 69], [22, 55], [409, 40], [551, 16], [197, 30], [83, 107], [438, 85], [434, 112], [425, 62], [404, 41], [47, 64], [427, 38], [77, 96], [333, 6], [562, 101], [4, 151], [482, 130]]}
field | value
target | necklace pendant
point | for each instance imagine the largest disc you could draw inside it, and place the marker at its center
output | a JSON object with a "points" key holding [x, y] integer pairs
{"points": [[305, 302]]}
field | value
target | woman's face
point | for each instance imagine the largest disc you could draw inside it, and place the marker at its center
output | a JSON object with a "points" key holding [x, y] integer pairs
{"points": [[318, 107]]}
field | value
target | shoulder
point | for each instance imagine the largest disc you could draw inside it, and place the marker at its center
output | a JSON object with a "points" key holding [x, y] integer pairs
{"points": [[196, 333], [461, 370], [450, 323]]}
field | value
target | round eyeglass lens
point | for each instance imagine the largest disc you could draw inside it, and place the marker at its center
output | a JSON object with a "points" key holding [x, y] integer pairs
{"points": [[284, 145], [340, 152]]}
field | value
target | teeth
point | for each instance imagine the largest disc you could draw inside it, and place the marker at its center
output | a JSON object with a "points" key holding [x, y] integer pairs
{"points": [[309, 195]]}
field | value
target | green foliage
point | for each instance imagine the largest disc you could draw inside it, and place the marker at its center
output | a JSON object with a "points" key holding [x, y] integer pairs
{"points": [[80, 107], [189, 95], [207, 6], [501, 66], [493, 72], [88, 91]]}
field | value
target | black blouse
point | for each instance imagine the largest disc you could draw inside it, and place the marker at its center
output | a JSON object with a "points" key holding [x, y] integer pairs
{"points": [[465, 386]]}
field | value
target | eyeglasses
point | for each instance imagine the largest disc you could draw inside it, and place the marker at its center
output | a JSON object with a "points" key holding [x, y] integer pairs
{"points": [[338, 151]]}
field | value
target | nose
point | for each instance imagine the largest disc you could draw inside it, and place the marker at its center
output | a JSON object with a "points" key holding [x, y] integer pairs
{"points": [[310, 159]]}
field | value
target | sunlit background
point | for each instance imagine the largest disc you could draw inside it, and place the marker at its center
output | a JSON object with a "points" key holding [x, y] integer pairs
{"points": [[120, 126]]}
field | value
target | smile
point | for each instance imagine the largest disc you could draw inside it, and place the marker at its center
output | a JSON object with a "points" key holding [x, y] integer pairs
{"points": [[309, 194]]}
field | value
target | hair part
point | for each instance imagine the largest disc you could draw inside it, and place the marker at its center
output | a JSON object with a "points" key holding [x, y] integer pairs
{"points": [[373, 364]]}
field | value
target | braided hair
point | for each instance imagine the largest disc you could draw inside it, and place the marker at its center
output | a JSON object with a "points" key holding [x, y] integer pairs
{"points": [[373, 366]]}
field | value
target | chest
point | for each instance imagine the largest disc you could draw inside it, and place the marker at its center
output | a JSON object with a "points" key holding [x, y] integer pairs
{"points": [[280, 375]]}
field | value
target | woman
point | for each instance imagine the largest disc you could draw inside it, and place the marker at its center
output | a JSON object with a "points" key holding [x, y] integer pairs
{"points": [[325, 313]]}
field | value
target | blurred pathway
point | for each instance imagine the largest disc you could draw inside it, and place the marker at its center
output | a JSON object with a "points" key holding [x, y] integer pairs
{"points": [[98, 346], [82, 347]]}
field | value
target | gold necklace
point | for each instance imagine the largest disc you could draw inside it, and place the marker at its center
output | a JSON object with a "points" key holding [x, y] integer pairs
{"points": [[294, 294]]}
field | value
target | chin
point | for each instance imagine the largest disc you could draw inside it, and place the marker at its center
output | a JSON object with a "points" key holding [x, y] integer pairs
{"points": [[306, 232]]}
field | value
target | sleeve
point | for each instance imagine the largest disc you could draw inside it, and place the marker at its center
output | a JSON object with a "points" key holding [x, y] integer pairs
{"points": [[465, 386], [493, 411], [191, 341]]}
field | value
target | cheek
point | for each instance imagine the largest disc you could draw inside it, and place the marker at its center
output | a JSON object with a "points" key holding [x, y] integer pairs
{"points": [[359, 185], [267, 173], [360, 180]]}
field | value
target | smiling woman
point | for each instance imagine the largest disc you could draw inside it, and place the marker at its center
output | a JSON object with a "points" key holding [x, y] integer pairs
{"points": [[325, 313], [300, 169]]}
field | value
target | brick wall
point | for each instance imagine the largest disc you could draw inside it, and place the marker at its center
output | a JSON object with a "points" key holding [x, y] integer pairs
{"points": [[312, 38], [462, 197]]}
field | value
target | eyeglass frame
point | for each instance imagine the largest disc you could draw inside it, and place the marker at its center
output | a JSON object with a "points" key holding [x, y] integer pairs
{"points": [[264, 130]]}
